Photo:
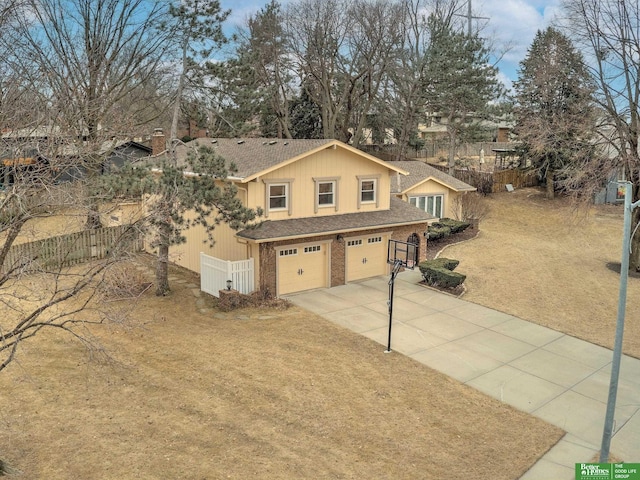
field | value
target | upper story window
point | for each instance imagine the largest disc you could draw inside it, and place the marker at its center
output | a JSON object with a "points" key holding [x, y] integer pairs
{"points": [[278, 199], [326, 192], [368, 190], [278, 195]]}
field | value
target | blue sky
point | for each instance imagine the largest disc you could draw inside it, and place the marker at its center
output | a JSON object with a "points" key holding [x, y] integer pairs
{"points": [[512, 24]]}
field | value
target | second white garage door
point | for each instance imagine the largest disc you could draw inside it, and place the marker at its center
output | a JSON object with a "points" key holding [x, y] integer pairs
{"points": [[302, 267], [366, 257]]}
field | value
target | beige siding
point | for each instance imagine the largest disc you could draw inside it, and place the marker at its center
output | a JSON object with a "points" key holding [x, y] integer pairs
{"points": [[226, 244], [226, 247], [431, 187], [343, 165]]}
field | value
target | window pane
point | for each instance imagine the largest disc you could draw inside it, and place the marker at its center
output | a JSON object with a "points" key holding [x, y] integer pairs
{"points": [[413, 201], [438, 211], [430, 205], [276, 190], [422, 202], [325, 187], [277, 202]]}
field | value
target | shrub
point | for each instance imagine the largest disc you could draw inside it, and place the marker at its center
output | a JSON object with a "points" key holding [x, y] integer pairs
{"points": [[439, 272], [435, 232], [456, 226], [448, 263]]}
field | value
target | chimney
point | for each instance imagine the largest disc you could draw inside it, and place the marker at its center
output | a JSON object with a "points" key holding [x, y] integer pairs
{"points": [[158, 143]]}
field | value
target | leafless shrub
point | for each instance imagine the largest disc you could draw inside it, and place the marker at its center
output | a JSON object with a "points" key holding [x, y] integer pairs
{"points": [[123, 281], [472, 207]]}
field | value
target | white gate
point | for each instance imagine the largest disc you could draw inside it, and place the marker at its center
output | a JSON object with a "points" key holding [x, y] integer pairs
{"points": [[215, 272]]}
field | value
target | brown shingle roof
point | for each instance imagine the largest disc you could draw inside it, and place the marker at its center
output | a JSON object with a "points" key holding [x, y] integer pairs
{"points": [[420, 171], [251, 156], [400, 213]]}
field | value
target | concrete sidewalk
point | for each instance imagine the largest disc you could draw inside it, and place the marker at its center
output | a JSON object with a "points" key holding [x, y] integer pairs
{"points": [[553, 376]]}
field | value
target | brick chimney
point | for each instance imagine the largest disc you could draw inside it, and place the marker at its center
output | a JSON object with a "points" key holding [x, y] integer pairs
{"points": [[158, 142]]}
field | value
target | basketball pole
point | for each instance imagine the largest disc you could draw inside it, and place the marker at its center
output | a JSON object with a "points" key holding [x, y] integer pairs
{"points": [[622, 302], [396, 267]]}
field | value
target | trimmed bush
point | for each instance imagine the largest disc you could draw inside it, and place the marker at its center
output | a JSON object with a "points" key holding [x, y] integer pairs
{"points": [[456, 226], [448, 263], [437, 232], [439, 272]]}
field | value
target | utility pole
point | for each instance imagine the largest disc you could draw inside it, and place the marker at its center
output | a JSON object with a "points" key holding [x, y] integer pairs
{"points": [[470, 18]]}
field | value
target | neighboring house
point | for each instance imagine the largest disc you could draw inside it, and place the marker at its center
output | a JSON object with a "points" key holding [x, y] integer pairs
{"points": [[65, 163], [435, 128], [429, 189], [328, 215]]}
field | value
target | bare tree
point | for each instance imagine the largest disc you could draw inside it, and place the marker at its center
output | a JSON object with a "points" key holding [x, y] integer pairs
{"points": [[342, 51], [93, 61], [606, 31], [404, 97]]}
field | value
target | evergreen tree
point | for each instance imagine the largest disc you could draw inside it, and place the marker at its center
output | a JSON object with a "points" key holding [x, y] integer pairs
{"points": [[196, 28], [554, 106], [305, 116], [209, 196], [460, 82]]}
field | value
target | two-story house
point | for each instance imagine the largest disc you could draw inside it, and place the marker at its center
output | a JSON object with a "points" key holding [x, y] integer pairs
{"points": [[328, 213]]}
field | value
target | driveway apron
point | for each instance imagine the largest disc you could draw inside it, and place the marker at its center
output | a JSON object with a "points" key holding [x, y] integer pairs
{"points": [[558, 378]]}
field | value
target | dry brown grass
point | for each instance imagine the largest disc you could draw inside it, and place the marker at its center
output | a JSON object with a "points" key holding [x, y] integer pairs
{"points": [[546, 262], [266, 394]]}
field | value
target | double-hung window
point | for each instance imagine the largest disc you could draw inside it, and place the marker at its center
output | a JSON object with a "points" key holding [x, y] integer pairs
{"points": [[278, 198], [278, 195], [326, 192], [429, 203], [368, 190]]}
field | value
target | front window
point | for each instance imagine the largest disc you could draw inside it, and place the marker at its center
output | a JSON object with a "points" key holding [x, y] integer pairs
{"points": [[278, 196], [368, 191], [326, 194], [429, 203]]}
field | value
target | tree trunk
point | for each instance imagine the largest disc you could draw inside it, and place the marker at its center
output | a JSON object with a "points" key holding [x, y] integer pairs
{"points": [[452, 152], [162, 265], [550, 190]]}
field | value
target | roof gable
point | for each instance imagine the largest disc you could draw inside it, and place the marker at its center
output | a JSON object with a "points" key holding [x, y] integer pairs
{"points": [[255, 157], [420, 172]]}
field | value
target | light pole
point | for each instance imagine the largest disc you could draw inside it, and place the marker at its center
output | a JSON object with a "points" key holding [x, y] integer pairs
{"points": [[622, 304]]}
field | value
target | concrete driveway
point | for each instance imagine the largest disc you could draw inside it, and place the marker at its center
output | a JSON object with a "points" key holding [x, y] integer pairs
{"points": [[553, 376]]}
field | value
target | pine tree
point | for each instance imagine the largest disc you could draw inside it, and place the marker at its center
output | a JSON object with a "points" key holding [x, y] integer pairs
{"points": [[460, 82], [554, 106], [210, 197]]}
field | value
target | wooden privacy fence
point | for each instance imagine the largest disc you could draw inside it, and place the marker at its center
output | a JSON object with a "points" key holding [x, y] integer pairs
{"points": [[73, 248], [215, 272], [493, 182]]}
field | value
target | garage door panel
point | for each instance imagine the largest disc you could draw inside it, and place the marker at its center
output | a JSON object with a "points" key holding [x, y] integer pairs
{"points": [[302, 268], [366, 257]]}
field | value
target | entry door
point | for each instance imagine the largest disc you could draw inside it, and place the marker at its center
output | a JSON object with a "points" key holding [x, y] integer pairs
{"points": [[302, 267], [366, 257]]}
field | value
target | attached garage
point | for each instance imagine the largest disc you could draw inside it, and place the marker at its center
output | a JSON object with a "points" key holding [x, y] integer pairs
{"points": [[366, 256], [302, 267]]}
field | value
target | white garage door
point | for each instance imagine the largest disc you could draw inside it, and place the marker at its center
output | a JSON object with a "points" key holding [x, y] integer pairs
{"points": [[302, 267], [366, 257]]}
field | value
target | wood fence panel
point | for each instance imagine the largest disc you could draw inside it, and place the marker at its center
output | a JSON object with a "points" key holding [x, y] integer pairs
{"points": [[73, 248]]}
